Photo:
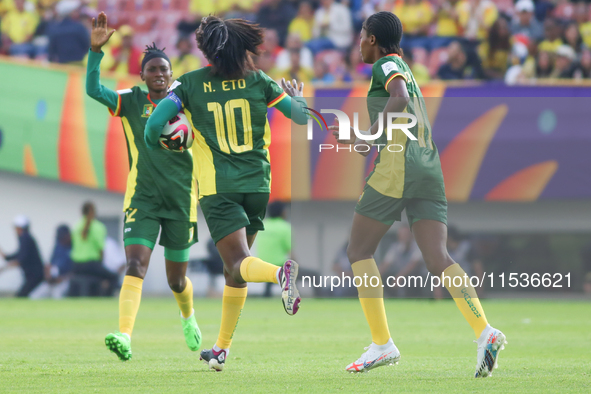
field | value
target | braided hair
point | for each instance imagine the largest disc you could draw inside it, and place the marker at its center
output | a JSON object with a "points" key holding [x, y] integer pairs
{"points": [[227, 44], [387, 29], [153, 52]]}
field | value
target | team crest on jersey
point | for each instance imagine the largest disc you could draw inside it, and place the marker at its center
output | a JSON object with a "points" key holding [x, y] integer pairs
{"points": [[148, 109]]}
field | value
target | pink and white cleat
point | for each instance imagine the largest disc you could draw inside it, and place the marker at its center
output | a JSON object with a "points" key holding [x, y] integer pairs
{"points": [[290, 296]]}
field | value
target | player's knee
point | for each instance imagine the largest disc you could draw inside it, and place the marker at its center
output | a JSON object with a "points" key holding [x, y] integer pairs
{"points": [[355, 254], [177, 284], [135, 267], [437, 262]]}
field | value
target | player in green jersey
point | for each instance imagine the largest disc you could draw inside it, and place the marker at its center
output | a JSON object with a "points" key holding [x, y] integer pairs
{"points": [[409, 179], [227, 102], [161, 193]]}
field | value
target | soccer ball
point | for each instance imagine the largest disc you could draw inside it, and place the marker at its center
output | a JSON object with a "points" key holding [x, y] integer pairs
{"points": [[177, 134]]}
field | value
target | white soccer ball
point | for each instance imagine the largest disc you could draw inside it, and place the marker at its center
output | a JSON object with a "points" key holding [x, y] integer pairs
{"points": [[177, 134]]}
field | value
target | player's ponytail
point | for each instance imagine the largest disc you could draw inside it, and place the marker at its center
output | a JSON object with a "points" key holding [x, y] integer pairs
{"points": [[387, 29], [228, 45]]}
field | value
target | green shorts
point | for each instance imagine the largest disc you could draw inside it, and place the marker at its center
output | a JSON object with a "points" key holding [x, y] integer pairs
{"points": [[229, 212], [140, 225], [388, 210]]}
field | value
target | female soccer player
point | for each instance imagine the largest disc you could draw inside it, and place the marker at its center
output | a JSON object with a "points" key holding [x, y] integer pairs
{"points": [[160, 193], [227, 102], [411, 180]]}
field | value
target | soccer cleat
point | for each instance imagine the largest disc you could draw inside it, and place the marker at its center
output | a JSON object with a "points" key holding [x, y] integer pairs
{"points": [[215, 360], [376, 356], [120, 344], [490, 343], [192, 332], [290, 296]]}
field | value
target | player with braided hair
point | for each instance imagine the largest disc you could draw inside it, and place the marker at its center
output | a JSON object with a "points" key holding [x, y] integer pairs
{"points": [[227, 102], [409, 179], [161, 192]]}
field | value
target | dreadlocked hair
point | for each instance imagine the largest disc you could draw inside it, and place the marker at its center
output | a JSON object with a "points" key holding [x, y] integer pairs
{"points": [[228, 45], [387, 29], [153, 52]]}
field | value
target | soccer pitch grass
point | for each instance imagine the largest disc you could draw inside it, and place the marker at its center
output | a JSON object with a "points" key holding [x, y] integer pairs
{"points": [[58, 346]]}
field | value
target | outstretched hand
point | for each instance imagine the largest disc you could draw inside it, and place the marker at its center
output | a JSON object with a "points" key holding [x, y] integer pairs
{"points": [[335, 132], [291, 88], [100, 34]]}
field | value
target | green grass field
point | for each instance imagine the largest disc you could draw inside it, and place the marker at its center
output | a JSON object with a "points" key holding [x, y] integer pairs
{"points": [[57, 346]]}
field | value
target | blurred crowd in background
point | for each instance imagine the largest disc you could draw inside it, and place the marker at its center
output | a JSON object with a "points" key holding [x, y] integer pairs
{"points": [[317, 41]]}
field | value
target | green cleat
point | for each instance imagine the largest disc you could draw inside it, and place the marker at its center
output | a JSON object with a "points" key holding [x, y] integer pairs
{"points": [[192, 332], [120, 344]]}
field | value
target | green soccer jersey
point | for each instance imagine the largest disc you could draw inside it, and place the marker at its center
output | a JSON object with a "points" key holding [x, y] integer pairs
{"points": [[232, 134], [416, 171], [161, 183]]}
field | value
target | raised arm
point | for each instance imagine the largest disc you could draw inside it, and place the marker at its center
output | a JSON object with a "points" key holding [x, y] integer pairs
{"points": [[99, 37]]}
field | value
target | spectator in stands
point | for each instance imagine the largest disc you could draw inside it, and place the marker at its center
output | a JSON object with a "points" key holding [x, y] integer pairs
{"points": [[294, 43], [552, 34], [572, 37], [563, 10], [419, 71], [333, 27], [127, 57], [274, 244], [276, 15], [525, 22], [59, 269], [18, 27], [448, 23], [584, 65], [266, 63], [303, 23], [582, 19], [359, 71], [188, 24], [544, 64], [186, 61], [296, 68], [27, 257], [88, 242], [321, 73], [494, 52], [477, 19], [69, 40], [271, 43], [416, 17], [564, 64], [458, 64]]}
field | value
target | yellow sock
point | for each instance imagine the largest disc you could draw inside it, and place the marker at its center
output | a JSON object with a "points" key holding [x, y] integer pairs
{"points": [[465, 297], [232, 304], [185, 299], [253, 269], [129, 303], [372, 300]]}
